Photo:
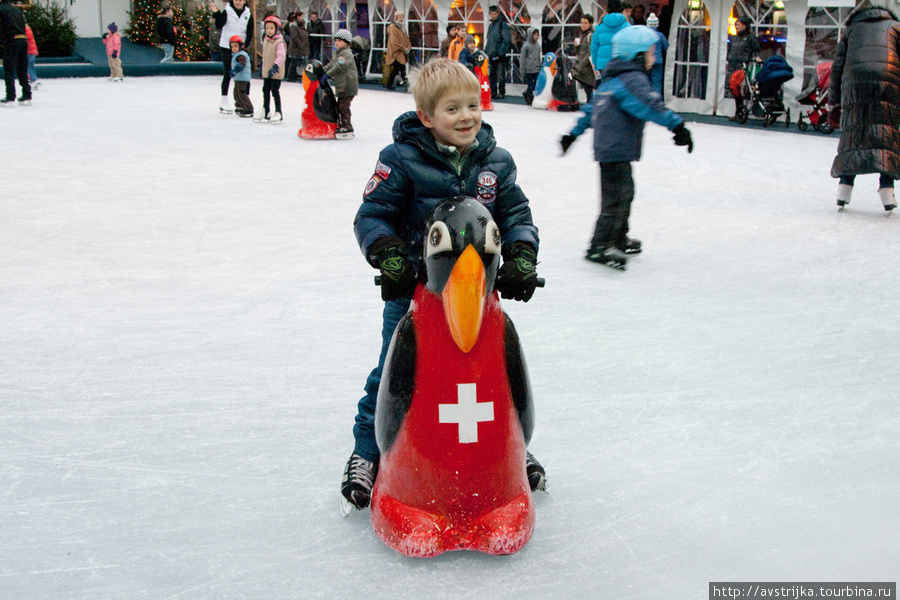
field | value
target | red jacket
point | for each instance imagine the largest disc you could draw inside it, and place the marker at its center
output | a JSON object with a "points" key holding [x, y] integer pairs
{"points": [[32, 45]]}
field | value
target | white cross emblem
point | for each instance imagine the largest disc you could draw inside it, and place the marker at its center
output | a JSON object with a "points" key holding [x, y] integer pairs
{"points": [[468, 413], [485, 86]]}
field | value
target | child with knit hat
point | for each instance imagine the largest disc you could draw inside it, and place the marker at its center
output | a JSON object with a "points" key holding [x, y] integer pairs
{"points": [[342, 69], [113, 42]]}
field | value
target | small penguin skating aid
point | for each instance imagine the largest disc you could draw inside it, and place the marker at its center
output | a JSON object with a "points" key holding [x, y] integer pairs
{"points": [[319, 117]]}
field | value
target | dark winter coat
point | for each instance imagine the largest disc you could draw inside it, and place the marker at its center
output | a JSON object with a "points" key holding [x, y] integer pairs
{"points": [[865, 83], [601, 41], [165, 29], [618, 111], [413, 175], [468, 58], [742, 49], [497, 41], [299, 40], [583, 70], [12, 22], [316, 31]]}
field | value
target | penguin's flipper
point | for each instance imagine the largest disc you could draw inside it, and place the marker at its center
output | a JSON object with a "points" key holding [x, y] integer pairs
{"points": [[519, 386], [398, 382]]}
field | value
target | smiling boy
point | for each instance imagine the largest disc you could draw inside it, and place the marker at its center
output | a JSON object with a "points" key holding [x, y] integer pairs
{"points": [[443, 149]]}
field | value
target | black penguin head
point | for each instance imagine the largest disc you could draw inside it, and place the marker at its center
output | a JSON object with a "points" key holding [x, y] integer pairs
{"points": [[314, 71], [461, 256]]}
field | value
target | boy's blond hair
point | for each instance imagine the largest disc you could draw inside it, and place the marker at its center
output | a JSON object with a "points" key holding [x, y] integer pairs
{"points": [[438, 77]]}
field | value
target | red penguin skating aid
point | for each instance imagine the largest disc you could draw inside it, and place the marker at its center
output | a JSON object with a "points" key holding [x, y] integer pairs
{"points": [[454, 411], [318, 121]]}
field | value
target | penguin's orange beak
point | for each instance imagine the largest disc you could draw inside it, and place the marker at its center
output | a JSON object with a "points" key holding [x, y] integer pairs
{"points": [[463, 297], [306, 81]]}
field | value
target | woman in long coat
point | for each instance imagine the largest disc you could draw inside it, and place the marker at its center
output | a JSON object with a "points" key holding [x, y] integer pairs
{"points": [[395, 55], [864, 91]]}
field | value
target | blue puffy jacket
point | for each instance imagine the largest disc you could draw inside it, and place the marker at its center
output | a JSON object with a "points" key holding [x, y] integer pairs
{"points": [[601, 43], [618, 110], [413, 175]]}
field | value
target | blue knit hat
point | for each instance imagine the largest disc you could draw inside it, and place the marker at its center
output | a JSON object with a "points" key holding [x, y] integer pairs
{"points": [[112, 27]]}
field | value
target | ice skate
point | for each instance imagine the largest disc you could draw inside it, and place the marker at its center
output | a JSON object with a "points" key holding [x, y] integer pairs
{"points": [[8, 102], [344, 133], [887, 198], [844, 192], [537, 477], [246, 114], [609, 256], [631, 246], [23, 101], [276, 118], [225, 106], [261, 117], [356, 486]]}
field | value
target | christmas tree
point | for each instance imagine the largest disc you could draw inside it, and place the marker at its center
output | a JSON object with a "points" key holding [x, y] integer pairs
{"points": [[143, 22]]}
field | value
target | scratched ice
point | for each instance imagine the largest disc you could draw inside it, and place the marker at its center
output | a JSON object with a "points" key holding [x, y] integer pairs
{"points": [[187, 325]]}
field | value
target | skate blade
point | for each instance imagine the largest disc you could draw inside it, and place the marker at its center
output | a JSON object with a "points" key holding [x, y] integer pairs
{"points": [[226, 112], [275, 122], [346, 507], [343, 136]]}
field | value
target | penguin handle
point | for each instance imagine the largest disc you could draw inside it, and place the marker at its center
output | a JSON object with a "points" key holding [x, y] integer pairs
{"points": [[539, 282]]}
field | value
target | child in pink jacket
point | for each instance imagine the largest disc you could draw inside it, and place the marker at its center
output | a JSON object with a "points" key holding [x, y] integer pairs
{"points": [[113, 43]]}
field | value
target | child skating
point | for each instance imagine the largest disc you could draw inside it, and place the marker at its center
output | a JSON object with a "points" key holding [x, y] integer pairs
{"points": [[619, 108], [274, 54]]}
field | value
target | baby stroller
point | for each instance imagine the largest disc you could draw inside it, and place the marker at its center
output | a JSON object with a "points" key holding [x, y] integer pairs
{"points": [[816, 97], [757, 90]]}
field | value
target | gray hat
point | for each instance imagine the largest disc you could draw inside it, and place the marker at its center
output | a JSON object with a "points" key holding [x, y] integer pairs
{"points": [[470, 39], [343, 34]]}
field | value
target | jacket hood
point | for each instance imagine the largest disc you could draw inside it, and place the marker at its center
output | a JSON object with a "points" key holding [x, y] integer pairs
{"points": [[614, 20], [275, 37], [617, 66], [409, 129], [531, 31], [871, 13]]}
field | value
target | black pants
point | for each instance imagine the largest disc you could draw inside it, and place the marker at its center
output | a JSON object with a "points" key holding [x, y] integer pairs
{"points": [[884, 181], [497, 76], [15, 63], [226, 68], [616, 195], [343, 108], [273, 87], [396, 68]]}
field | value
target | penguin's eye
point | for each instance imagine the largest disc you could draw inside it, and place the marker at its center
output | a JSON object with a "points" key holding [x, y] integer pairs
{"points": [[492, 238], [439, 239]]}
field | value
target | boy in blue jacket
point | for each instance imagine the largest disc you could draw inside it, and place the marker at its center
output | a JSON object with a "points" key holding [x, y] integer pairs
{"points": [[621, 106], [441, 150]]}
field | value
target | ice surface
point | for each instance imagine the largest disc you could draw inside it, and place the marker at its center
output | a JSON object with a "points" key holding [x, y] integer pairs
{"points": [[187, 324]]}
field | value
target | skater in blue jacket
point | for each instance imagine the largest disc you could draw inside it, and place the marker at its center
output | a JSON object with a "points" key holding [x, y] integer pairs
{"points": [[619, 109]]}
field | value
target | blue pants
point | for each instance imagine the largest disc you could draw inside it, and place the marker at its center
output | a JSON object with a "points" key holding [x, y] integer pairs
{"points": [[32, 72], [656, 79], [364, 429], [168, 51]]}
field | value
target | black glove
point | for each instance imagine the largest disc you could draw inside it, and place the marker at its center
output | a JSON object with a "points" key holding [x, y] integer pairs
{"points": [[566, 141], [683, 137], [273, 71], [115, 54], [834, 116], [398, 280], [517, 278]]}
